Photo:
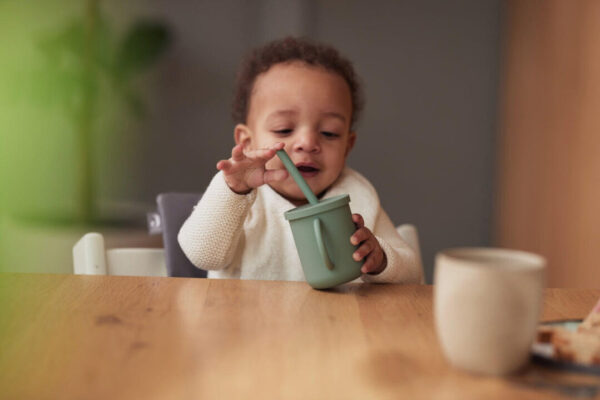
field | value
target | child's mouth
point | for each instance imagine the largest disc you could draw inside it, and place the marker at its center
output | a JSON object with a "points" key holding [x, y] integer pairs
{"points": [[307, 171]]}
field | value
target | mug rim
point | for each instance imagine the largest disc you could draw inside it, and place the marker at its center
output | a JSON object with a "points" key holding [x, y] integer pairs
{"points": [[493, 256]]}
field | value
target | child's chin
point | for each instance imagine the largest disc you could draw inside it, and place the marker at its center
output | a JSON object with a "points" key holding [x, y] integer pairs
{"points": [[293, 196]]}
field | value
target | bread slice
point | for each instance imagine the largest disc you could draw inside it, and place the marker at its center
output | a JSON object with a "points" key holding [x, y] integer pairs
{"points": [[578, 347], [591, 323], [581, 346]]}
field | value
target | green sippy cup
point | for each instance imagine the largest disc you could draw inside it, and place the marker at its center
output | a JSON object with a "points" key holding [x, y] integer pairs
{"points": [[322, 231]]}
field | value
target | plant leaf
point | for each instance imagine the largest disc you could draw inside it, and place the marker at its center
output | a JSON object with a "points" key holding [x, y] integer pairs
{"points": [[142, 45]]}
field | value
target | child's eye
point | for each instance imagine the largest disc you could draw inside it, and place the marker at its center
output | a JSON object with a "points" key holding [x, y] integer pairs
{"points": [[329, 134], [283, 131]]}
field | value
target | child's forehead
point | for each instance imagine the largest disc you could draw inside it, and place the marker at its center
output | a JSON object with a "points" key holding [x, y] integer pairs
{"points": [[299, 78], [296, 68], [301, 91]]}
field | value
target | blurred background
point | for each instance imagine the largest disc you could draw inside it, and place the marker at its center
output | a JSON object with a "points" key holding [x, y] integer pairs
{"points": [[480, 124]]}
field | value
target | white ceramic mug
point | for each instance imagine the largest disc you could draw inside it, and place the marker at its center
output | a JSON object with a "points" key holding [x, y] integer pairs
{"points": [[487, 302]]}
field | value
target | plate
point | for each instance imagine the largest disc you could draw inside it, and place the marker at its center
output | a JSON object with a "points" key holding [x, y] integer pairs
{"points": [[542, 353]]}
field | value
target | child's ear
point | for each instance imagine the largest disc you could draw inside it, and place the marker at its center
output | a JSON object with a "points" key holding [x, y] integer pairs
{"points": [[241, 134], [350, 144]]}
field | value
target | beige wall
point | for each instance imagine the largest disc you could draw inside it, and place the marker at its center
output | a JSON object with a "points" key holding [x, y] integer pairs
{"points": [[548, 187]]}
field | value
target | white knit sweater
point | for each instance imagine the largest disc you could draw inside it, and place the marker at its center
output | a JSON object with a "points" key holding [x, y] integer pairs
{"points": [[247, 236]]}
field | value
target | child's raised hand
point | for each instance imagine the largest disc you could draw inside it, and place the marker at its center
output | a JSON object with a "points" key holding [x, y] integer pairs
{"points": [[369, 248], [246, 170]]}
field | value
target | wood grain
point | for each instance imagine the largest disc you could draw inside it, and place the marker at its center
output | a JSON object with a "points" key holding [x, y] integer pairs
{"points": [[548, 186], [103, 337]]}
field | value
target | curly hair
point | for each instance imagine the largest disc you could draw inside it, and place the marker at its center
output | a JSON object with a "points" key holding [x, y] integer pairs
{"points": [[291, 49]]}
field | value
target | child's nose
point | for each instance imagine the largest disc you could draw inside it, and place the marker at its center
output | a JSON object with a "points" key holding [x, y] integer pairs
{"points": [[307, 141]]}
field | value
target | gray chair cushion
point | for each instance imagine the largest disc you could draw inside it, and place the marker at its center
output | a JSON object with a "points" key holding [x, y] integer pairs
{"points": [[174, 209]]}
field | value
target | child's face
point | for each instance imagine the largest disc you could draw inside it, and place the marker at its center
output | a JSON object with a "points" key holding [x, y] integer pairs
{"points": [[309, 109]]}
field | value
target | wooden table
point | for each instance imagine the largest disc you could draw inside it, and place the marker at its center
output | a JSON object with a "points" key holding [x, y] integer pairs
{"points": [[101, 337]]}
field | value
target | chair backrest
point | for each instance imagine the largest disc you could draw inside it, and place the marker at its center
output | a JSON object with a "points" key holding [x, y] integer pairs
{"points": [[410, 235], [174, 209], [90, 257]]}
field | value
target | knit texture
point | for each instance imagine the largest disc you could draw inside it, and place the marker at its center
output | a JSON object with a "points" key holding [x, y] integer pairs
{"points": [[246, 236]]}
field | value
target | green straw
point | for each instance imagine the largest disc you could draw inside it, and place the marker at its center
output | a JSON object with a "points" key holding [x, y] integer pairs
{"points": [[297, 176]]}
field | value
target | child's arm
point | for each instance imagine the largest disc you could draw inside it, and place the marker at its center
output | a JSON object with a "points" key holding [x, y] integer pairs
{"points": [[211, 234], [399, 263]]}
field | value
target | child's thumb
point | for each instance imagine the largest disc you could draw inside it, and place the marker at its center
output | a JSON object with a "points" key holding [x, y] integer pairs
{"points": [[275, 175]]}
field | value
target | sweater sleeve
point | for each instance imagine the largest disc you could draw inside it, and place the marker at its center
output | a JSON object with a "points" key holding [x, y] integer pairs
{"points": [[402, 264], [210, 235]]}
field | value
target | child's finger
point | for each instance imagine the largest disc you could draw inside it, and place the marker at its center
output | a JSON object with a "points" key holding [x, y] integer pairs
{"points": [[373, 263], [237, 153], [365, 249], [269, 152], [358, 221], [278, 146], [368, 266], [224, 165], [360, 235], [275, 175], [264, 154]]}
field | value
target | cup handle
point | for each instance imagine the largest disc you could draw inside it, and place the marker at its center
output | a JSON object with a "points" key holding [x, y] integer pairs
{"points": [[321, 244]]}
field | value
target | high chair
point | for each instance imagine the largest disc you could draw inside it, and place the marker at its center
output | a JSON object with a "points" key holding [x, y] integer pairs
{"points": [[90, 257], [410, 235]]}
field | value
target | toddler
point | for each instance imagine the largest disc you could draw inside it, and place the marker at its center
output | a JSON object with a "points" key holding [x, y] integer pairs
{"points": [[303, 97]]}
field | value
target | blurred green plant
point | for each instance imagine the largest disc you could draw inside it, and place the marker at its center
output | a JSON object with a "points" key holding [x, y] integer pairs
{"points": [[85, 57]]}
